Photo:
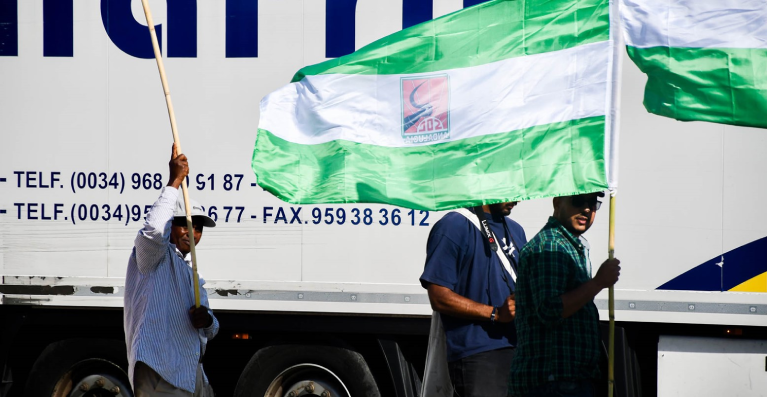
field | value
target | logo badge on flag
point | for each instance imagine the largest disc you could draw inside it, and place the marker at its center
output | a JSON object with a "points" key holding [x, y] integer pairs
{"points": [[425, 108]]}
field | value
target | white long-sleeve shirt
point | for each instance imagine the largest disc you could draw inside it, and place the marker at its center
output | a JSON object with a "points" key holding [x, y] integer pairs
{"points": [[158, 295]]}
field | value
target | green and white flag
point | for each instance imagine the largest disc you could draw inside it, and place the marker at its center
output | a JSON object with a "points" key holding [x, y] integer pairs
{"points": [[507, 100], [704, 59]]}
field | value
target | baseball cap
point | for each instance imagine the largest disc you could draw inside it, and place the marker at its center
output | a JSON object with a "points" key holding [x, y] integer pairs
{"points": [[197, 212]]}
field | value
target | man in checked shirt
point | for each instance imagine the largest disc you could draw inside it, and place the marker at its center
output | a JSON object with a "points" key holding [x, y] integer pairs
{"points": [[557, 321], [164, 333]]}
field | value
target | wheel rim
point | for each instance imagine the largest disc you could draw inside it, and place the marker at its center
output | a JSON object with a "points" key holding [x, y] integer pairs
{"points": [[307, 380], [93, 378]]}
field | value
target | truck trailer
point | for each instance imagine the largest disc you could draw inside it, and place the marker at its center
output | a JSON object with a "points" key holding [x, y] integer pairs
{"points": [[320, 300]]}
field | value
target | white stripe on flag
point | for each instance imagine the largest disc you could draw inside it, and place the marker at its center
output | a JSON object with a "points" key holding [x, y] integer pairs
{"points": [[695, 23], [493, 98]]}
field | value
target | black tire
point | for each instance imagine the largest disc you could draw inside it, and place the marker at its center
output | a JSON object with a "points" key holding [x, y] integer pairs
{"points": [[64, 366], [276, 370]]}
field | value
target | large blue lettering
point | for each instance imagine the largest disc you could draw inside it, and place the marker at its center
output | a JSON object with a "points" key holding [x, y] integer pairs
{"points": [[242, 25], [416, 11], [58, 30], [339, 27], [182, 28], [340, 21], [9, 28], [133, 38], [128, 35], [469, 3], [241, 28]]}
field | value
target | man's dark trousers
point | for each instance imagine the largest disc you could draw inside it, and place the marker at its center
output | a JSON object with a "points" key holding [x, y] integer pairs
{"points": [[483, 374], [581, 388]]}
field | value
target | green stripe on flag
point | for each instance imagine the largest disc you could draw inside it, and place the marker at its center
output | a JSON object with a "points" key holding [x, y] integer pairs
{"points": [[711, 84], [559, 158], [488, 32]]}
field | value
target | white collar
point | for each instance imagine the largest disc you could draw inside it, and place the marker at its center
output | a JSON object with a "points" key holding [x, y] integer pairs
{"points": [[187, 258]]}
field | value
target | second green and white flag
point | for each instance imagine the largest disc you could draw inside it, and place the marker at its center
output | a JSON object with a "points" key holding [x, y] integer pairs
{"points": [[704, 59]]}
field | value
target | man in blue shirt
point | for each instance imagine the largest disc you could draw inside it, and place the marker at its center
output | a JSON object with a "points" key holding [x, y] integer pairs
{"points": [[165, 334], [469, 285]]}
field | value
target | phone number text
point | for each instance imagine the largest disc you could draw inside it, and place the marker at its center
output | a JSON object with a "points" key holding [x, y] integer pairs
{"points": [[127, 213], [340, 216], [119, 181]]}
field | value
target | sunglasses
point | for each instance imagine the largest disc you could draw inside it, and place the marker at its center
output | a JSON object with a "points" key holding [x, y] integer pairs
{"points": [[581, 201], [181, 222]]}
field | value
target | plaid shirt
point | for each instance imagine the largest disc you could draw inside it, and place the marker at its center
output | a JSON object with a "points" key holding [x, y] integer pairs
{"points": [[549, 347]]}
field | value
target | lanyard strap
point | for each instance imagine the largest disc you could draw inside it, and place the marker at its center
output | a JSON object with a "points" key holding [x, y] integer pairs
{"points": [[474, 219], [490, 236], [485, 228]]}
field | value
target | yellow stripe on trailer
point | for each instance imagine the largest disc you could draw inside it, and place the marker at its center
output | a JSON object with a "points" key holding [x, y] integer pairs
{"points": [[754, 284]]}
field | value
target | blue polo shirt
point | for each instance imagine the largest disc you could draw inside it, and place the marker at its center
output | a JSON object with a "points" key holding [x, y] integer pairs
{"points": [[458, 258]]}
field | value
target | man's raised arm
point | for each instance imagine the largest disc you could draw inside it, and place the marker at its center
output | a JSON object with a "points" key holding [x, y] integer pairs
{"points": [[152, 239]]}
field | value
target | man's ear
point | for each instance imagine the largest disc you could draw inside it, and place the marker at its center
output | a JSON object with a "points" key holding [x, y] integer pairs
{"points": [[556, 202]]}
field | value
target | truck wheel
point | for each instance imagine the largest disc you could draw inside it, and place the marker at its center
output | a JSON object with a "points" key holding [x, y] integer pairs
{"points": [[306, 370], [81, 368]]}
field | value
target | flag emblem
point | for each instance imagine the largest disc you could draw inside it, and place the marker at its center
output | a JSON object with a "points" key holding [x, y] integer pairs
{"points": [[425, 108]]}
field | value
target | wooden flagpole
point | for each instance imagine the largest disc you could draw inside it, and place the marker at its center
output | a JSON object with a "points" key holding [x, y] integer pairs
{"points": [[611, 303], [615, 98], [177, 141]]}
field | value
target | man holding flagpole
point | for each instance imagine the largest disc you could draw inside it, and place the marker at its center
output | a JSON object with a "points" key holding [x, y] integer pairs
{"points": [[165, 334], [472, 288], [557, 322]]}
